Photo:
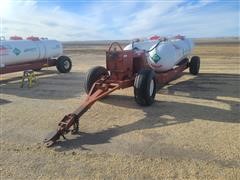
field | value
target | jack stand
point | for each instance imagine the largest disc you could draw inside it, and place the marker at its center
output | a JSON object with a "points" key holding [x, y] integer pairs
{"points": [[30, 76]]}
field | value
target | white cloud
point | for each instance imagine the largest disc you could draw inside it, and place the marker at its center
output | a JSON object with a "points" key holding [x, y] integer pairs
{"points": [[26, 19], [148, 20], [122, 20]]}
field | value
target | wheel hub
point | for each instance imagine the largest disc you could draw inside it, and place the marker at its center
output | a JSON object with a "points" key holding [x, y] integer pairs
{"points": [[151, 89], [66, 64]]}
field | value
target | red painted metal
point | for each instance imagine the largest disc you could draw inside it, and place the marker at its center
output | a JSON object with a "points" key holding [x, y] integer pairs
{"points": [[28, 66], [123, 66], [16, 38], [155, 37], [32, 38], [165, 77], [180, 37]]}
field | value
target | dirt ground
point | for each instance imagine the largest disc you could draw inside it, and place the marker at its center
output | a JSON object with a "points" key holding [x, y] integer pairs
{"points": [[192, 131]]}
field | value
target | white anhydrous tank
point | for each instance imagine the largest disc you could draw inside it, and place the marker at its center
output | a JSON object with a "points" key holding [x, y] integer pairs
{"points": [[167, 54], [20, 51]]}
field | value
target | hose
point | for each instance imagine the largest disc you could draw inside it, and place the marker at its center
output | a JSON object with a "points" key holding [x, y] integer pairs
{"points": [[159, 41]]}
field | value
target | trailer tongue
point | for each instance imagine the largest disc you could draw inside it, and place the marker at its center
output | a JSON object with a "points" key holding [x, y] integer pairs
{"points": [[125, 68], [100, 89]]}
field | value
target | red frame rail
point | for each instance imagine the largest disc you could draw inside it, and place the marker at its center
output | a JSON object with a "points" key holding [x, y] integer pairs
{"points": [[28, 65]]}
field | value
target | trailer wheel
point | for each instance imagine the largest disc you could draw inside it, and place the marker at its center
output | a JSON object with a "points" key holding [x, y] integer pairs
{"points": [[145, 87], [194, 65], [93, 75], [64, 64]]}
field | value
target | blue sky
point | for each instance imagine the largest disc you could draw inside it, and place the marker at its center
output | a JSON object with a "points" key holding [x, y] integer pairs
{"points": [[128, 19]]}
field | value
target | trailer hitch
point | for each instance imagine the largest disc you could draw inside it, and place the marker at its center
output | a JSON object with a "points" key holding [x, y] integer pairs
{"points": [[63, 128], [100, 89]]}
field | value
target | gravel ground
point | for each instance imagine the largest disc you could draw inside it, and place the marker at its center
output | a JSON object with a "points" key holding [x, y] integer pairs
{"points": [[190, 132]]}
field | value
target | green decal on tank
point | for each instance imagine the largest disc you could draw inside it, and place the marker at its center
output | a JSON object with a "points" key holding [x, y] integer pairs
{"points": [[16, 51], [155, 58]]}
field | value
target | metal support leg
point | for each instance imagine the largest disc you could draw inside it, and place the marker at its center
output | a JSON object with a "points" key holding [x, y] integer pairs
{"points": [[30, 76]]}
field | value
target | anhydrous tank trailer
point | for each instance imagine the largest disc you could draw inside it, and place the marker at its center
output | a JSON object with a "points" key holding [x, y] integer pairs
{"points": [[33, 53], [144, 65]]}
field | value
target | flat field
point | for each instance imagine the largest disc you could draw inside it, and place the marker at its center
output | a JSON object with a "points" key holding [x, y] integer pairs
{"points": [[192, 131]]}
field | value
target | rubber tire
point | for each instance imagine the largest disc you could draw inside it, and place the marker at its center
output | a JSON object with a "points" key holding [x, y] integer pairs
{"points": [[93, 75], [142, 87], [194, 65], [60, 64]]}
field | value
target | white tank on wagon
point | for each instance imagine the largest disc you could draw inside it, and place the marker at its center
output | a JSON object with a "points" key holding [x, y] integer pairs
{"points": [[21, 51], [163, 54]]}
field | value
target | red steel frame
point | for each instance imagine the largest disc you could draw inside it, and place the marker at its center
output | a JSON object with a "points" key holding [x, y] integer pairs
{"points": [[123, 67], [28, 65]]}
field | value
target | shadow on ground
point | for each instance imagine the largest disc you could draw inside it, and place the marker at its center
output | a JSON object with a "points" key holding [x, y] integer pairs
{"points": [[205, 86], [209, 86], [4, 101], [50, 85]]}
